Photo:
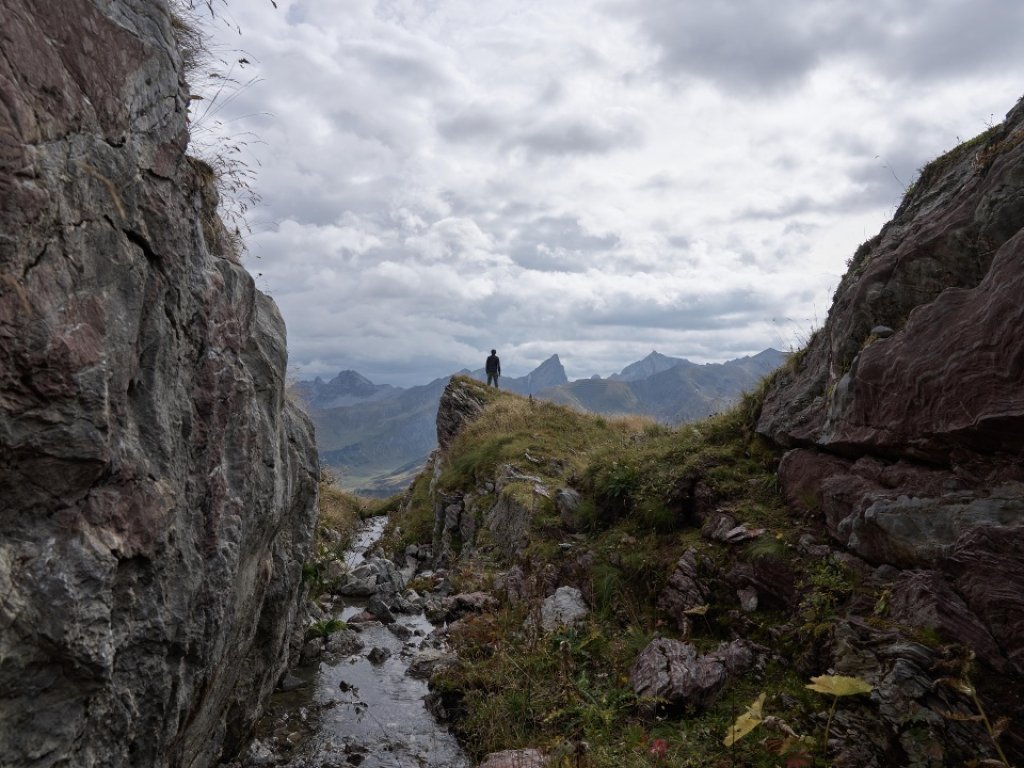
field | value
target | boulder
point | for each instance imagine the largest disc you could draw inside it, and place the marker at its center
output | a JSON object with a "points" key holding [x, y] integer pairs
{"points": [[721, 526], [344, 643], [428, 661], [377, 575], [400, 631], [565, 608], [379, 609], [672, 671]]}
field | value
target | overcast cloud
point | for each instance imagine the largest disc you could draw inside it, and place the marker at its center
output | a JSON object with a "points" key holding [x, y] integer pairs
{"points": [[592, 178]]}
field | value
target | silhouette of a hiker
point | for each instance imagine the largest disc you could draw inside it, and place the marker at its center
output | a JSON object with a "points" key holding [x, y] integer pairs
{"points": [[493, 368]]}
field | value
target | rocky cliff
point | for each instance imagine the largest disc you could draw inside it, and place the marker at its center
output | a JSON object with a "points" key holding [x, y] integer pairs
{"points": [[158, 487], [905, 412]]}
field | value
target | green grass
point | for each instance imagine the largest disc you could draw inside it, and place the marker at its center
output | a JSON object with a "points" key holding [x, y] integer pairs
{"points": [[514, 690]]}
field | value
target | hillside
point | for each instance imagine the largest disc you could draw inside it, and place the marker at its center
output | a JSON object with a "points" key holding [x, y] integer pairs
{"points": [[376, 437], [834, 565]]}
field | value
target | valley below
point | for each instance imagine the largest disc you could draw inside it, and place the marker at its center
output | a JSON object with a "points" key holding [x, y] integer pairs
{"points": [[376, 438]]}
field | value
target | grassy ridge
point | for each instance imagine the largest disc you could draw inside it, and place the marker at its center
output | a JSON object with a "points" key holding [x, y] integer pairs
{"points": [[643, 489]]}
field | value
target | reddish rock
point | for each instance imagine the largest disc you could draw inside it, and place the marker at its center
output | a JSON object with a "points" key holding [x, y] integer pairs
{"points": [[925, 599], [986, 570], [910, 439], [945, 273], [158, 487]]}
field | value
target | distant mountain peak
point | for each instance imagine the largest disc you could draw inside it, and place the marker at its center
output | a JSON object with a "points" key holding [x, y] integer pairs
{"points": [[351, 378], [654, 363]]}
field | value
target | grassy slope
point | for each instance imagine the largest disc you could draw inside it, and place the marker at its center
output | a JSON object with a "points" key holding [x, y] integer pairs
{"points": [[515, 688]]}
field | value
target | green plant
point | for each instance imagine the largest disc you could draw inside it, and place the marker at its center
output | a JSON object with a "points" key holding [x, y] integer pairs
{"points": [[825, 586], [766, 547], [325, 628]]}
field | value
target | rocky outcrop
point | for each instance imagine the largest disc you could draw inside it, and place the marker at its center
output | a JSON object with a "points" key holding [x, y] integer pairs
{"points": [[460, 403], [946, 274], [673, 672], [904, 413], [158, 486]]}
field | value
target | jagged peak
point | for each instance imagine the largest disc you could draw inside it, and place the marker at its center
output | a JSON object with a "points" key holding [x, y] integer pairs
{"points": [[349, 376]]}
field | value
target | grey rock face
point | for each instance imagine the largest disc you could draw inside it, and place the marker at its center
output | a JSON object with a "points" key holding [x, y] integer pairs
{"points": [[158, 487], [674, 671], [563, 609], [459, 405], [378, 575]]}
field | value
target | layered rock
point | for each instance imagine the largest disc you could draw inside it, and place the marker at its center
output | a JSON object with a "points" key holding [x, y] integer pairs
{"points": [[159, 488], [905, 411]]}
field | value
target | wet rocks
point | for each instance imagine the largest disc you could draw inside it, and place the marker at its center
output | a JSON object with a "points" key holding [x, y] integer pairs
{"points": [[344, 643], [428, 661], [380, 610], [673, 671], [376, 575]]}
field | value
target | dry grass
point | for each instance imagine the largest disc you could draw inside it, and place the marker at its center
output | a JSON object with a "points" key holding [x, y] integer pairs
{"points": [[214, 78], [339, 509]]}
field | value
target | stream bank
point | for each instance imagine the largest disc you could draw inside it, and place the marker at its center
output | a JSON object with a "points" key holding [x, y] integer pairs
{"points": [[357, 698]]}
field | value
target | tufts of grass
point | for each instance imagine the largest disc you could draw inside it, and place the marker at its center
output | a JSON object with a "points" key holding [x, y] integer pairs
{"points": [[216, 78]]}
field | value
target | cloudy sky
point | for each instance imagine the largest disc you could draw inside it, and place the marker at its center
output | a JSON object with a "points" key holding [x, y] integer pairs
{"points": [[592, 178]]}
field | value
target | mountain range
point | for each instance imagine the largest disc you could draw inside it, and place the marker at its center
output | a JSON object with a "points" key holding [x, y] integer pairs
{"points": [[376, 437]]}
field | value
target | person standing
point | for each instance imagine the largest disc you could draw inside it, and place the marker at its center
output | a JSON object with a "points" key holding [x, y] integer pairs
{"points": [[493, 368]]}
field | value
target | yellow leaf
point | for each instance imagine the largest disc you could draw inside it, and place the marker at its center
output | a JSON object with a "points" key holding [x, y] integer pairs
{"points": [[839, 685], [700, 610], [746, 722]]}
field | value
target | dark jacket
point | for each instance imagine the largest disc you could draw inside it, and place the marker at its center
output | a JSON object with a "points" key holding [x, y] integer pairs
{"points": [[493, 366]]}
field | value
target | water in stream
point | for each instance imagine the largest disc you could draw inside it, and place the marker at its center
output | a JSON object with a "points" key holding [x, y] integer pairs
{"points": [[349, 711]]}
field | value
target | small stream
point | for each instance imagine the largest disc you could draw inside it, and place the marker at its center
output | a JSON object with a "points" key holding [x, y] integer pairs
{"points": [[349, 711]]}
